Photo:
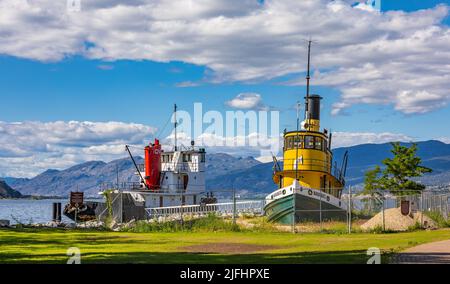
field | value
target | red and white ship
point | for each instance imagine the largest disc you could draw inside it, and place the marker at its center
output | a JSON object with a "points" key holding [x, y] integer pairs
{"points": [[171, 178]]}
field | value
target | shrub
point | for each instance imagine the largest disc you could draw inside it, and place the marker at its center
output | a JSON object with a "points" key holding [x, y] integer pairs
{"points": [[438, 218], [210, 223]]}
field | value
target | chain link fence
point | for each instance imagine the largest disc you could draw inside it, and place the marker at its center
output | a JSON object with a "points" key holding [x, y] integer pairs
{"points": [[353, 213], [399, 212]]}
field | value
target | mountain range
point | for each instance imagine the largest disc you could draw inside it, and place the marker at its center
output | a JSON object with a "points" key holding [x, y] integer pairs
{"points": [[224, 172], [7, 192]]}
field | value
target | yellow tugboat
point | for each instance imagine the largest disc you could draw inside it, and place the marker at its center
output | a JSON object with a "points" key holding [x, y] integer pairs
{"points": [[309, 184]]}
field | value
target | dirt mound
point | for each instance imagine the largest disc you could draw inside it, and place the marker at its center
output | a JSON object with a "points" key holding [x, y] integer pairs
{"points": [[396, 221], [228, 248]]}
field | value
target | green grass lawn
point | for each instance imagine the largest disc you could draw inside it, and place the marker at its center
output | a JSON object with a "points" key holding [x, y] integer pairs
{"points": [[50, 246]]}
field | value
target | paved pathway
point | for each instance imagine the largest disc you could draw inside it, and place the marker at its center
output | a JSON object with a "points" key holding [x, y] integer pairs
{"points": [[431, 253]]}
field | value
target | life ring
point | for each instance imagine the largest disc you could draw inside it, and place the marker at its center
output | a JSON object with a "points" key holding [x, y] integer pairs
{"points": [[310, 192]]}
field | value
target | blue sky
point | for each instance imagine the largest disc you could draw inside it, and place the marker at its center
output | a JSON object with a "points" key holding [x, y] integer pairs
{"points": [[86, 87]]}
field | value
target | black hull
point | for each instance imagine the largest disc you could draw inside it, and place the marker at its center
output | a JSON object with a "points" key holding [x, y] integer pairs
{"points": [[86, 212]]}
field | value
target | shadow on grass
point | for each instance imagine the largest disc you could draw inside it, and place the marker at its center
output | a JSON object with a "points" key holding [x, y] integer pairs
{"points": [[351, 256]]}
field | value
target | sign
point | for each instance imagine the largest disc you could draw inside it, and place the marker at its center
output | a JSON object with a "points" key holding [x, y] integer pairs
{"points": [[404, 207], [76, 198]]}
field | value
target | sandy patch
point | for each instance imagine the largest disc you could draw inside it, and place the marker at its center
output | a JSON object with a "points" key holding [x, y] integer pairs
{"points": [[395, 221]]}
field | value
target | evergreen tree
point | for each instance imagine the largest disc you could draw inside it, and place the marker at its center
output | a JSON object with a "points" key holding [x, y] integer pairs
{"points": [[371, 181], [397, 173], [398, 170]]}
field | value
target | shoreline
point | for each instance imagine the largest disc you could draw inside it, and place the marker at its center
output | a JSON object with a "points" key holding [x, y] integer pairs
{"points": [[39, 197]]}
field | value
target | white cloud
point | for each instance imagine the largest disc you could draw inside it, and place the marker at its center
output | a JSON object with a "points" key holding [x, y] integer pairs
{"points": [[446, 140], [395, 58], [346, 139], [28, 148], [186, 84], [247, 101], [252, 144]]}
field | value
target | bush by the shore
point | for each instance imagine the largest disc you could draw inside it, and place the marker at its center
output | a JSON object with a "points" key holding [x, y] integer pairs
{"points": [[211, 223]]}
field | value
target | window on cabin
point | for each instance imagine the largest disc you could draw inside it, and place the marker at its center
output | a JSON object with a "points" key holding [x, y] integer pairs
{"points": [[298, 142], [187, 158], [309, 142], [288, 143], [318, 143]]}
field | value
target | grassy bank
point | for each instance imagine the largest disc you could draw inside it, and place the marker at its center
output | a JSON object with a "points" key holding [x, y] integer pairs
{"points": [[50, 246]]}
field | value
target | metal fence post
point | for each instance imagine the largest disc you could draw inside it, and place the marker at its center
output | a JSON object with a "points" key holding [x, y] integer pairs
{"points": [[121, 207], [293, 211], [384, 223], [349, 215], [320, 211], [234, 206], [421, 209]]}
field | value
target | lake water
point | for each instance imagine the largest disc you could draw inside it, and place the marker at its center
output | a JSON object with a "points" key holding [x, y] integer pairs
{"points": [[29, 211]]}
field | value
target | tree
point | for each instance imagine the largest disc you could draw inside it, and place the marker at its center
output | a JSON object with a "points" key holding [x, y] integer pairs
{"points": [[371, 187], [398, 171], [372, 181]]}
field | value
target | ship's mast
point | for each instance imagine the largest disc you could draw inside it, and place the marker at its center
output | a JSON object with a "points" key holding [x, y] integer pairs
{"points": [[297, 140], [308, 77], [175, 124]]}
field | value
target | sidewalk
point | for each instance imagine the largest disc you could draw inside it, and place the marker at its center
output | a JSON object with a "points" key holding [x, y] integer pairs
{"points": [[431, 253]]}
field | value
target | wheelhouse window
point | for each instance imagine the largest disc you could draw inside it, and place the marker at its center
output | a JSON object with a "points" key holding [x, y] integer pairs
{"points": [[298, 142], [318, 143], [309, 142], [292, 142], [288, 142]]}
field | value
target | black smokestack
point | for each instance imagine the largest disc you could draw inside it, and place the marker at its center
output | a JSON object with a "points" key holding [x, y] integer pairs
{"points": [[314, 106]]}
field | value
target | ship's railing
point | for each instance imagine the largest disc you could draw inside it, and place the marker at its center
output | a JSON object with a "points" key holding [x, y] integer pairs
{"points": [[313, 165], [172, 188], [121, 186], [254, 207], [180, 167]]}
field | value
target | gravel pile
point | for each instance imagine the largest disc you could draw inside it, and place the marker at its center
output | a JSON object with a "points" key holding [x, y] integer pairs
{"points": [[396, 221]]}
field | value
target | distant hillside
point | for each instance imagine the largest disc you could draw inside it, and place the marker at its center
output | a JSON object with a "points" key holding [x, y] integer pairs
{"points": [[88, 176], [7, 192], [257, 180], [434, 154], [225, 172]]}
